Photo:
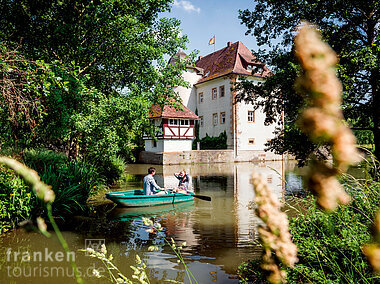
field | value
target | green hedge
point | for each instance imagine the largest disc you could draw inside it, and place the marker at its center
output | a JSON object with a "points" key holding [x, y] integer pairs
{"points": [[212, 143]]}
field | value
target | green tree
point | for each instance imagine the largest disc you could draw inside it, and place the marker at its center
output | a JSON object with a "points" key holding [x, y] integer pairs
{"points": [[351, 28], [105, 65], [118, 43]]}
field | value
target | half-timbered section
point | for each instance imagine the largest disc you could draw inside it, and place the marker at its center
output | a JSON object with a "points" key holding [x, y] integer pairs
{"points": [[175, 129]]}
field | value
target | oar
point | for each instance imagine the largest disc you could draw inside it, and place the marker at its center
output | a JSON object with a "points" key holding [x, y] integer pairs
{"points": [[203, 197]]}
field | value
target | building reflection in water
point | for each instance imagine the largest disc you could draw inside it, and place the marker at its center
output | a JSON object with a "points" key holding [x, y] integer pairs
{"points": [[221, 232]]}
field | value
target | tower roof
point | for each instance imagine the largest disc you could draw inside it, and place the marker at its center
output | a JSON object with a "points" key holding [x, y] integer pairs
{"points": [[235, 58], [180, 55]]}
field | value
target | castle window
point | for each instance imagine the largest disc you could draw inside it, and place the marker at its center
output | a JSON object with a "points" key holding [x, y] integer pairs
{"points": [[222, 118], [200, 98], [184, 122], [251, 116], [214, 94], [215, 119], [251, 141], [201, 121], [221, 91], [173, 121], [154, 142]]}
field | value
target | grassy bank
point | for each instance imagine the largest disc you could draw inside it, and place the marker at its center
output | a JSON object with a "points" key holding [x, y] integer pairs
{"points": [[73, 182], [330, 244]]}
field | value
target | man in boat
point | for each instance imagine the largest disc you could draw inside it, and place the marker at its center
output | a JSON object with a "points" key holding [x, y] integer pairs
{"points": [[149, 184], [183, 184]]}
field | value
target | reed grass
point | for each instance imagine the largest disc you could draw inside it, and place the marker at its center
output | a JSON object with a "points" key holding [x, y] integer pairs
{"points": [[72, 181]]}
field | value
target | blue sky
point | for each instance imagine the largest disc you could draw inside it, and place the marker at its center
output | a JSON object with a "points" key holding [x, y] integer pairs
{"points": [[202, 19]]}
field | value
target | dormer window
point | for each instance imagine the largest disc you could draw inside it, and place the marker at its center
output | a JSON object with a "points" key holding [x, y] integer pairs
{"points": [[208, 73]]}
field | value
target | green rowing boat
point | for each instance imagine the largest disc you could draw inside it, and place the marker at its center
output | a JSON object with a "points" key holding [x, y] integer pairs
{"points": [[136, 198]]}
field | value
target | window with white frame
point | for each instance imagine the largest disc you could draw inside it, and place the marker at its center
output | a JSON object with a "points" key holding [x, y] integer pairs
{"points": [[173, 121], [215, 119], [221, 91], [222, 118], [185, 122], [214, 94], [200, 97], [251, 116], [201, 121]]}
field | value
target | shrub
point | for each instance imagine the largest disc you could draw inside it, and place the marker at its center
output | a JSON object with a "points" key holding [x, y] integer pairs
{"points": [[17, 201], [72, 181], [329, 244], [38, 159], [111, 168], [212, 143]]}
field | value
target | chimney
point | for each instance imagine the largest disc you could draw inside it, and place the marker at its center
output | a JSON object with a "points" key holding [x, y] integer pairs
{"points": [[229, 44], [200, 57]]}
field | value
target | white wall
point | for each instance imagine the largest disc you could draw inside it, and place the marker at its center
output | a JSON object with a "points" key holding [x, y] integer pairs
{"points": [[174, 145], [210, 106], [245, 130], [188, 95], [149, 146], [169, 145], [252, 130]]}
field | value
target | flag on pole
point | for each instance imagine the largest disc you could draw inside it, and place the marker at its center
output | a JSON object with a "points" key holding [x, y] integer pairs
{"points": [[211, 41]]}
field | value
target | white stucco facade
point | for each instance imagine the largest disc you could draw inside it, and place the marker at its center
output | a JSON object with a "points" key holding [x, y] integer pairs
{"points": [[188, 95], [217, 114], [212, 106], [211, 97], [168, 145]]}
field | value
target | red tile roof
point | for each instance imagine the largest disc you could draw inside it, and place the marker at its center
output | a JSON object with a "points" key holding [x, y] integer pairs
{"points": [[177, 111], [232, 59]]}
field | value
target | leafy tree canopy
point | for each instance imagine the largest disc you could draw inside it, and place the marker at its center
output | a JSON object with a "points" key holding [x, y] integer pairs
{"points": [[79, 76], [118, 43], [351, 28]]}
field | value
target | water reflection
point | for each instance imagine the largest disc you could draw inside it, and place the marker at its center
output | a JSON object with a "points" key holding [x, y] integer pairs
{"points": [[219, 234], [222, 233]]}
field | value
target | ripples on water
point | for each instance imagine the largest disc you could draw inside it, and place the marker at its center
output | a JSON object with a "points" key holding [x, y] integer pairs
{"points": [[219, 234]]}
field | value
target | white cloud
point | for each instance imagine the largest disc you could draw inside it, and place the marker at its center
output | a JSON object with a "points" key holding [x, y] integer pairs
{"points": [[186, 5]]}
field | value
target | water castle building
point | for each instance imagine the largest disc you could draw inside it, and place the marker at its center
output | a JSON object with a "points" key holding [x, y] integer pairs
{"points": [[212, 97]]}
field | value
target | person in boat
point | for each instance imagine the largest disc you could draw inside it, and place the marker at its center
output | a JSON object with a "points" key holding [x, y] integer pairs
{"points": [[150, 186], [183, 184]]}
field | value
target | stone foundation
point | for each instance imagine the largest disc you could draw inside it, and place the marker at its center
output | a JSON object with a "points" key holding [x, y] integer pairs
{"points": [[206, 157]]}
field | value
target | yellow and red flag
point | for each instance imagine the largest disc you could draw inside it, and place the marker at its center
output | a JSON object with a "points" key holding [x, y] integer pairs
{"points": [[211, 41]]}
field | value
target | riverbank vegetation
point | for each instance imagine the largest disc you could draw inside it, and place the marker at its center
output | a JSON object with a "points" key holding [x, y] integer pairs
{"points": [[330, 244], [76, 88], [333, 230]]}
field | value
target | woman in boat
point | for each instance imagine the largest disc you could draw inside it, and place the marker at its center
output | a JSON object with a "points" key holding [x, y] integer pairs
{"points": [[149, 184], [183, 184]]}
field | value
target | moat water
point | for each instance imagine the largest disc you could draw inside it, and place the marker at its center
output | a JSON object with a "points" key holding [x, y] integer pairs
{"points": [[219, 235]]}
